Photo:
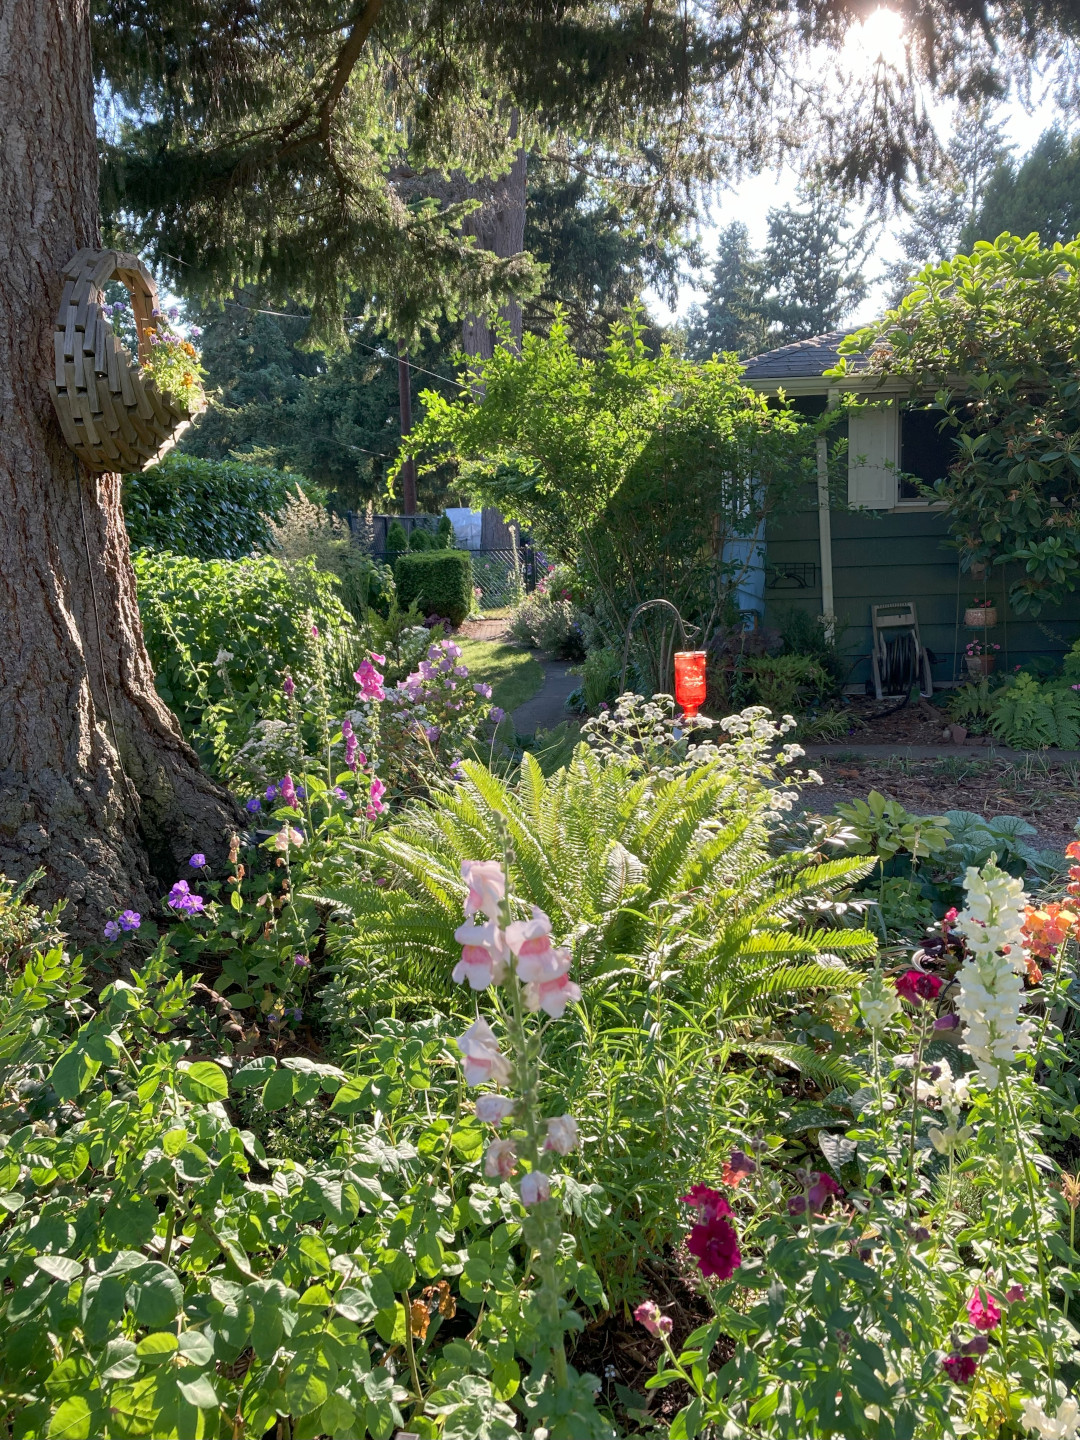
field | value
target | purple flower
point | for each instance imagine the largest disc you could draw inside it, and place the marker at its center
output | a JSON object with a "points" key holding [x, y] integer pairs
{"points": [[301, 792], [287, 791], [369, 679], [947, 1022], [289, 686], [314, 632], [498, 714], [197, 861], [271, 792], [431, 733], [254, 805], [112, 930], [341, 794], [483, 690], [181, 899], [301, 960], [130, 920], [195, 331], [298, 1015]]}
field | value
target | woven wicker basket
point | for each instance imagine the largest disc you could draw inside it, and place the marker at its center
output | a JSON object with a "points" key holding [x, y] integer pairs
{"points": [[112, 417]]}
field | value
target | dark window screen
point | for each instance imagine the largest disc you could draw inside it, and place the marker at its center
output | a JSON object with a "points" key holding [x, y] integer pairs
{"points": [[925, 451]]}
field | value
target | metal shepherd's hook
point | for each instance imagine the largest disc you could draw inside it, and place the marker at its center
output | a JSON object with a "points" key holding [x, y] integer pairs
{"points": [[684, 629]]}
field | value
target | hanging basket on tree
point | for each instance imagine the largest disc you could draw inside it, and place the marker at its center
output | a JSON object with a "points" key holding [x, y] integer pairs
{"points": [[113, 413]]}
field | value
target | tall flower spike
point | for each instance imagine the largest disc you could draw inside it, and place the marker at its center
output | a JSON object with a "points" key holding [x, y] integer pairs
{"points": [[878, 1002], [990, 990]]}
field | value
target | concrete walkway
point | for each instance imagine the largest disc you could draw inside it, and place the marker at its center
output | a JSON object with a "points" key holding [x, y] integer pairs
{"points": [[547, 708], [944, 751]]}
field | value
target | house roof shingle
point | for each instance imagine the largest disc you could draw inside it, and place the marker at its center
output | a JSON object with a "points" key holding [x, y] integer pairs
{"points": [[805, 359]]}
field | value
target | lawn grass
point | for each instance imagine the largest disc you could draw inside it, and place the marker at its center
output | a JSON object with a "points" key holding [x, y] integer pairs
{"points": [[513, 674]]}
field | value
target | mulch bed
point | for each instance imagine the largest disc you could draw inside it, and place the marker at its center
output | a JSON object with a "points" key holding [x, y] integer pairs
{"points": [[1047, 796]]}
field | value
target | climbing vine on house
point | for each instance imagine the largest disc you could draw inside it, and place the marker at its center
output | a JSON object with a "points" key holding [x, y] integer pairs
{"points": [[996, 334]]}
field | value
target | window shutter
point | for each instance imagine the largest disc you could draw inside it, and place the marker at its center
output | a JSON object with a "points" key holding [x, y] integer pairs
{"points": [[873, 456]]}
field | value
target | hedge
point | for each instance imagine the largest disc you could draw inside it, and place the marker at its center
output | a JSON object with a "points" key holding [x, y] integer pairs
{"points": [[441, 581], [207, 509]]}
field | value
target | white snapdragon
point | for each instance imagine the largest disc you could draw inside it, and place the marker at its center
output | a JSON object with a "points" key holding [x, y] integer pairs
{"points": [[990, 990], [952, 1091], [1065, 1425], [877, 1000]]}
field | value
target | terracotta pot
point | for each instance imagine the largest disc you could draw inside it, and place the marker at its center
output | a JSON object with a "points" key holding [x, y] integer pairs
{"points": [[980, 617], [980, 664]]}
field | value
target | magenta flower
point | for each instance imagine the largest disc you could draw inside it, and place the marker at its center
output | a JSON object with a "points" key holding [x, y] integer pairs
{"points": [[1014, 1294], [960, 1368], [289, 686], [375, 803], [287, 791], [915, 986], [714, 1243], [983, 1310], [369, 679], [303, 960]]}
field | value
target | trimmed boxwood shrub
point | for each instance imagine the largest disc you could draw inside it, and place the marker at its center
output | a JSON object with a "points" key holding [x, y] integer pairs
{"points": [[440, 581]]}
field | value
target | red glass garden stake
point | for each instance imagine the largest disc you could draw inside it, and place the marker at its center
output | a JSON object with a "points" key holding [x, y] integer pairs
{"points": [[690, 681]]}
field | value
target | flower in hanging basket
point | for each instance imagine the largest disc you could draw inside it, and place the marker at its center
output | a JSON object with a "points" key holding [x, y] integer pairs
{"points": [[172, 362]]}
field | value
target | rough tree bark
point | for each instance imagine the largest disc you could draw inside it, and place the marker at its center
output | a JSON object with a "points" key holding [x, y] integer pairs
{"points": [[96, 782]]}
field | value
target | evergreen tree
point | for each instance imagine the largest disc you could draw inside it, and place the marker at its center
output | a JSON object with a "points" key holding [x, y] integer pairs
{"points": [[733, 316], [945, 216], [810, 267], [1041, 193], [335, 417], [268, 145]]}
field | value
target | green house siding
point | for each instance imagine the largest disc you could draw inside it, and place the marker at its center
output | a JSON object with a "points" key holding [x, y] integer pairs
{"points": [[902, 555]]}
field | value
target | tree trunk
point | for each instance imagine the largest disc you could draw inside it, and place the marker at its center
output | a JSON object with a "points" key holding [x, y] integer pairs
{"points": [[96, 782], [499, 226]]}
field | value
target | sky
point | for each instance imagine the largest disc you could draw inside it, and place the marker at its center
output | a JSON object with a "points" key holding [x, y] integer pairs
{"points": [[751, 200]]}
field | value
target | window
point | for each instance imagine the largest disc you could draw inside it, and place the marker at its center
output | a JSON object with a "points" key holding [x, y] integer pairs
{"points": [[926, 451], [873, 443]]}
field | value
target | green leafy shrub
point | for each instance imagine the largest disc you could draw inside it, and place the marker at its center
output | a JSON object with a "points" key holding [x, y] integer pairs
{"points": [[1031, 716], [444, 533], [421, 538], [230, 628], [396, 539], [600, 684], [549, 618], [973, 841], [440, 582], [206, 509], [785, 684]]}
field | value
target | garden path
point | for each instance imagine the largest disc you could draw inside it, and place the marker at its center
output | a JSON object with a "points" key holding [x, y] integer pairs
{"points": [[547, 708]]}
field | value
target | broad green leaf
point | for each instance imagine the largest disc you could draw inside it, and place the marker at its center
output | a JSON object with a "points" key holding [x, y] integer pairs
{"points": [[154, 1349], [203, 1082], [155, 1295], [75, 1419], [58, 1266], [312, 1375], [278, 1090], [73, 1072]]}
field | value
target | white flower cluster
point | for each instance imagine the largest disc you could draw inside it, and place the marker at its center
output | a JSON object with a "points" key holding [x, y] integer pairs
{"points": [[1064, 1426], [952, 1091], [990, 990], [877, 1000]]}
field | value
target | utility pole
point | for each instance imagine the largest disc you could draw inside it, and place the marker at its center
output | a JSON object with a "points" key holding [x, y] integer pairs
{"points": [[408, 470]]}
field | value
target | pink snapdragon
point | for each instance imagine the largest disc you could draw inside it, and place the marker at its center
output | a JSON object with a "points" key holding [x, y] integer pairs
{"points": [[500, 1159], [562, 1134], [983, 1310], [483, 1058], [483, 955], [540, 966], [648, 1314], [494, 1109], [487, 887], [534, 1188]]}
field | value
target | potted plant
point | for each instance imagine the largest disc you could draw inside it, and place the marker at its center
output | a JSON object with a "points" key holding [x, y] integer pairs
{"points": [[981, 656], [980, 615]]}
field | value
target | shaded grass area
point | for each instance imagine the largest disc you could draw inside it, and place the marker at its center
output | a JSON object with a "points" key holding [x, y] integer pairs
{"points": [[513, 674]]}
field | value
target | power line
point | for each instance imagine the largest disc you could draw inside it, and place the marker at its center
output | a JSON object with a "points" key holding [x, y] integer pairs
{"points": [[378, 350]]}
